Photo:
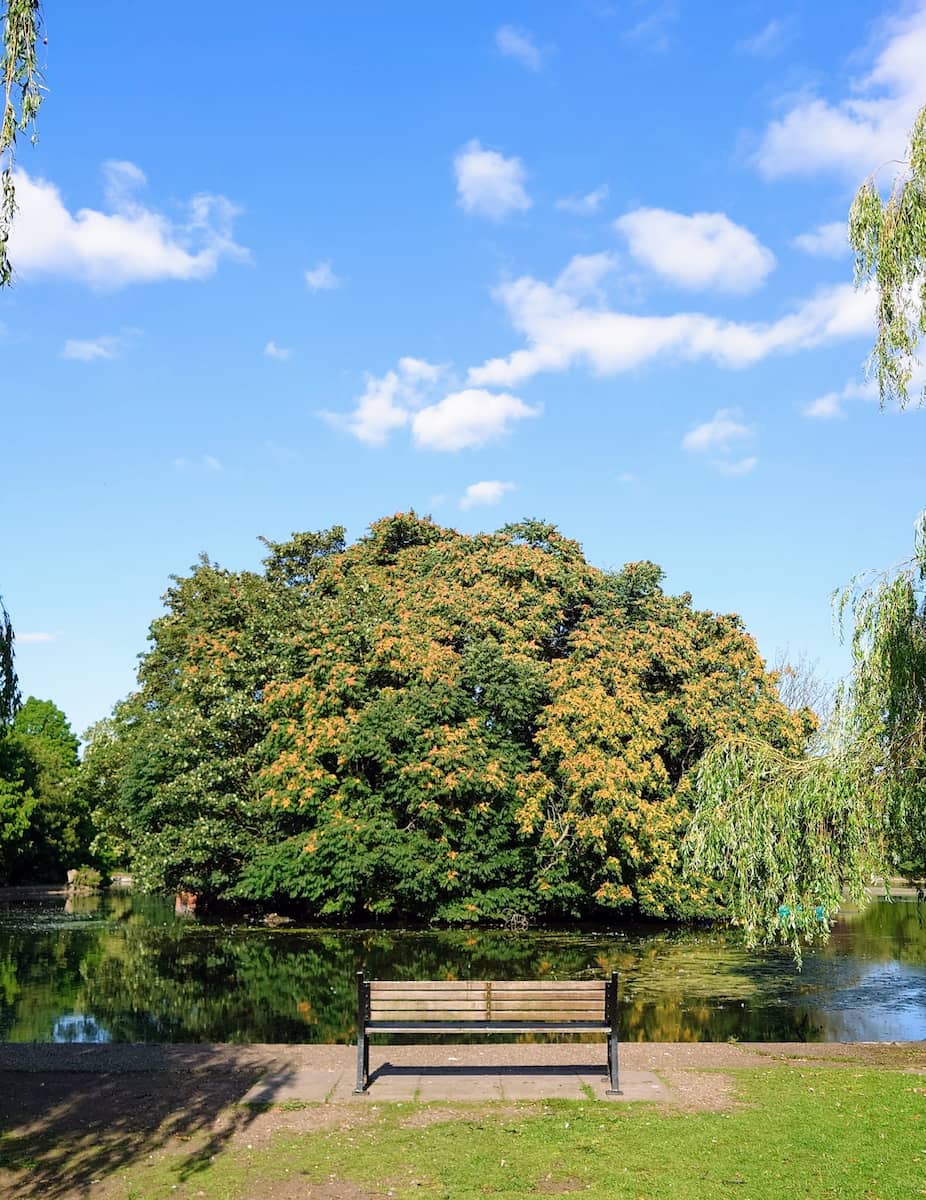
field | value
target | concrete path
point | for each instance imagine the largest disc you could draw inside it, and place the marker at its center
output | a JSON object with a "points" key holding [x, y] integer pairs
{"points": [[169, 1075], [461, 1078]]}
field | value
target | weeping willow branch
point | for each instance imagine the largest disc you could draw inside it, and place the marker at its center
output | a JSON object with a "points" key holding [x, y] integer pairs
{"points": [[9, 686], [790, 838], [889, 240], [787, 838], [22, 98]]}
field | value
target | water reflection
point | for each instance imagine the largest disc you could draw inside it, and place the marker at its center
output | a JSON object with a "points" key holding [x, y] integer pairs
{"points": [[124, 968]]}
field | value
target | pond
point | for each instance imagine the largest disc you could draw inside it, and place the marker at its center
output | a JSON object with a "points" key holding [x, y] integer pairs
{"points": [[121, 967]]}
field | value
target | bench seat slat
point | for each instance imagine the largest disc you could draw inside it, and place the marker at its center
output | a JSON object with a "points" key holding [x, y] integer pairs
{"points": [[543, 985], [479, 985], [495, 993], [461, 1002], [487, 1026], [427, 985], [400, 1001], [419, 1016]]}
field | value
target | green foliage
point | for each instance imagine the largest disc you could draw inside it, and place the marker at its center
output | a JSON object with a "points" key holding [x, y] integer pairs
{"points": [[173, 777], [426, 725], [87, 877], [22, 97], [44, 720], [9, 685], [47, 828], [789, 835], [16, 802], [889, 239], [887, 696]]}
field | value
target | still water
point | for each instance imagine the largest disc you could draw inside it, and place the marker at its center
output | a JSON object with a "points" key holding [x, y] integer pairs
{"points": [[123, 968]]}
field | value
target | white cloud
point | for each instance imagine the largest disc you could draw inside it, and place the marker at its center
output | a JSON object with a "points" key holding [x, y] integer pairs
{"points": [[272, 350], [121, 181], [321, 278], [488, 184], [388, 401], [705, 250], [468, 418], [652, 30], [769, 41], [737, 466], [722, 437], [32, 639], [94, 349], [827, 407], [561, 333], [206, 462], [129, 244], [417, 370], [626, 477], [486, 492], [379, 410], [832, 405], [725, 428], [826, 241], [859, 133], [404, 397], [584, 273], [519, 45], [584, 206]]}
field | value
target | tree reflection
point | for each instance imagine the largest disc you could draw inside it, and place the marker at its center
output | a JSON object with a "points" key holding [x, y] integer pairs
{"points": [[132, 972]]}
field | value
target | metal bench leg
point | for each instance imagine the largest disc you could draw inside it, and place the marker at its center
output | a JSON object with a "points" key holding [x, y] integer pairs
{"points": [[363, 1061], [614, 1088], [363, 1042]]}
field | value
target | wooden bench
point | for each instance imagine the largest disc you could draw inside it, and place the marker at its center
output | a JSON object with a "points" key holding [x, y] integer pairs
{"points": [[486, 1006]]}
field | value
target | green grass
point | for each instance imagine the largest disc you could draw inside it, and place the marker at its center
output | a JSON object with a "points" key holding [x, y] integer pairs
{"points": [[803, 1133]]}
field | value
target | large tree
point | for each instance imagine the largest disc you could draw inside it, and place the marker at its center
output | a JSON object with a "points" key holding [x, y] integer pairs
{"points": [[431, 725]]}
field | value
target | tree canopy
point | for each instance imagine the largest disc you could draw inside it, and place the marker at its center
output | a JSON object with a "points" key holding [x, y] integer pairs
{"points": [[428, 724]]}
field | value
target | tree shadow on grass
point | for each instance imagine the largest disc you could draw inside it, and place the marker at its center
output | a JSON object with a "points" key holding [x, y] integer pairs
{"points": [[66, 1130]]}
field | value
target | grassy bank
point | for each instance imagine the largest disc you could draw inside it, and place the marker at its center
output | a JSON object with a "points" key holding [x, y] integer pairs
{"points": [[784, 1133]]}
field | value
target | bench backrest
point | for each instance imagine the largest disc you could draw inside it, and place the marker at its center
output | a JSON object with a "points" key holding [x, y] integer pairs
{"points": [[488, 1000]]}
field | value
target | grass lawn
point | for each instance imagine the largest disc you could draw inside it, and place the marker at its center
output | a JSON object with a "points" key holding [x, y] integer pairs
{"points": [[845, 1132]]}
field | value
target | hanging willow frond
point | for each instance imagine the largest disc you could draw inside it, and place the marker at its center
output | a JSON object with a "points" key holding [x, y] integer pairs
{"points": [[22, 97], [889, 240], [786, 837], [789, 838], [9, 685]]}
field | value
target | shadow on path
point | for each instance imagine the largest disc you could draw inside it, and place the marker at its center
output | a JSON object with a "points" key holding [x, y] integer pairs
{"points": [[64, 1131], [465, 1070]]}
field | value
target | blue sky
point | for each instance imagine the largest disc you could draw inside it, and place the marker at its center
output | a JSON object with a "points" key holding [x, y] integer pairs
{"points": [[280, 269]]}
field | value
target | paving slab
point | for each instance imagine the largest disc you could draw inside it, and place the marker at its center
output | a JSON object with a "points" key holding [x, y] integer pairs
{"points": [[463, 1083], [299, 1085]]}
